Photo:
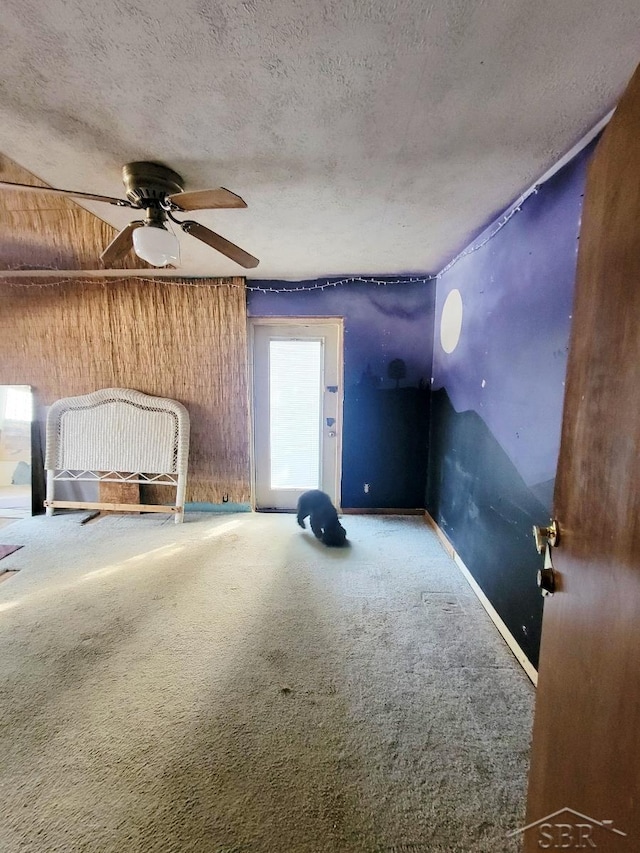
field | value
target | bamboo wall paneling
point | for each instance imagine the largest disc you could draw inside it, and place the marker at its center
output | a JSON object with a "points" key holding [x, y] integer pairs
{"points": [[169, 339]]}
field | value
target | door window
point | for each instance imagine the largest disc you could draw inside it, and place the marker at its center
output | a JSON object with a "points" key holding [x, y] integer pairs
{"points": [[295, 393]]}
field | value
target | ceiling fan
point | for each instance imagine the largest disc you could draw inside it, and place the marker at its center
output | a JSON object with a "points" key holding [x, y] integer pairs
{"points": [[158, 191]]}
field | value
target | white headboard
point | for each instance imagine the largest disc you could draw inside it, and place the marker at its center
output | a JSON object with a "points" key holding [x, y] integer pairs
{"points": [[118, 435]]}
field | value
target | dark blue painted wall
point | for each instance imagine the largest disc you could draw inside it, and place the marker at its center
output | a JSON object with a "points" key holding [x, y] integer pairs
{"points": [[496, 407], [386, 419]]}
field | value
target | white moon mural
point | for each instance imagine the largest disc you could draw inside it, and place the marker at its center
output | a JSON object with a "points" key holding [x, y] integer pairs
{"points": [[451, 321]]}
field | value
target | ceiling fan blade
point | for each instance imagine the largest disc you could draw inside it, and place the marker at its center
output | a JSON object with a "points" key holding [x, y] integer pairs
{"points": [[9, 185], [121, 243], [219, 243], [206, 199]]}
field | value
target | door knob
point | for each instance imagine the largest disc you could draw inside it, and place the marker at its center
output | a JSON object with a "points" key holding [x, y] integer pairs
{"points": [[546, 535]]}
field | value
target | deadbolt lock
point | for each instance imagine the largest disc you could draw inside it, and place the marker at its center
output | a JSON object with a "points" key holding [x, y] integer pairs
{"points": [[547, 581], [546, 575], [546, 535]]}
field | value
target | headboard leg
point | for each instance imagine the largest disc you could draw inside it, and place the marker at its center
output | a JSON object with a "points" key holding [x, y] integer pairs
{"points": [[50, 490], [180, 495]]}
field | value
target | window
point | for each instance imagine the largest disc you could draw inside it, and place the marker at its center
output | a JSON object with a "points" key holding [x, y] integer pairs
{"points": [[295, 386]]}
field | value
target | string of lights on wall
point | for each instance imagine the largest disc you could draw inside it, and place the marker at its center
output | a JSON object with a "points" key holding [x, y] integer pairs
{"points": [[104, 281], [254, 288]]}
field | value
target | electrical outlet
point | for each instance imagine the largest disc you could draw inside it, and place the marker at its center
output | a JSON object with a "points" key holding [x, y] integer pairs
{"points": [[366, 488]]}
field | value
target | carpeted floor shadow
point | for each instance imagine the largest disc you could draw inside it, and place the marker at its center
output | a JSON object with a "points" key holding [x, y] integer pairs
{"points": [[231, 686]]}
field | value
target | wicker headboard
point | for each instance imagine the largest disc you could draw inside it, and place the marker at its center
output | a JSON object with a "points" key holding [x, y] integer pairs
{"points": [[118, 435]]}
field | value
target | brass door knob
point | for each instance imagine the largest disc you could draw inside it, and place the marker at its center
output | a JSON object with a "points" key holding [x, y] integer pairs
{"points": [[544, 535]]}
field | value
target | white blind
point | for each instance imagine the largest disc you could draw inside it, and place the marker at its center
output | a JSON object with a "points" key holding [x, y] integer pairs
{"points": [[295, 393]]}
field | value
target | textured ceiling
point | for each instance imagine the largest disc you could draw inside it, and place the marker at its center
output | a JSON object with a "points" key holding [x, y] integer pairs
{"points": [[366, 136]]}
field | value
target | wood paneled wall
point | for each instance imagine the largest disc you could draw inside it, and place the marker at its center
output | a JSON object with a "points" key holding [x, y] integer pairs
{"points": [[185, 339]]}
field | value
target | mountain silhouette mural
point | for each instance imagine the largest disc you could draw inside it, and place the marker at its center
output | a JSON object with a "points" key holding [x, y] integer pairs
{"points": [[481, 502]]}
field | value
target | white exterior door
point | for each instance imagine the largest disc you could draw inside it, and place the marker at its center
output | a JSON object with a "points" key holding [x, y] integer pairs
{"points": [[297, 410]]}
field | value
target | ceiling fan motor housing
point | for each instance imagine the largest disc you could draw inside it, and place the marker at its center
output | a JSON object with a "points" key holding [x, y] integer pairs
{"points": [[147, 184]]}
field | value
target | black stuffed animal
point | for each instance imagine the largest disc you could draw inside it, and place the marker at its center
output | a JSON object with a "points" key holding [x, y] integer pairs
{"points": [[323, 518]]}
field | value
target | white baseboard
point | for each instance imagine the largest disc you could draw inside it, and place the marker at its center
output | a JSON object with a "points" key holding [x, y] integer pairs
{"points": [[507, 636]]}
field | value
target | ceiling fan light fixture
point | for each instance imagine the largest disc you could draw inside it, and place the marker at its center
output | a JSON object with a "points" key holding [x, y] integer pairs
{"points": [[156, 245]]}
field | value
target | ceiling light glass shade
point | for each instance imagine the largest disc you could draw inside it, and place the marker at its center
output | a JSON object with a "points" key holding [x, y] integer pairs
{"points": [[156, 245]]}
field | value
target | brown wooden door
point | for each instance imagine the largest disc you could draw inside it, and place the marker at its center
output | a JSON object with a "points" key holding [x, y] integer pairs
{"points": [[586, 741]]}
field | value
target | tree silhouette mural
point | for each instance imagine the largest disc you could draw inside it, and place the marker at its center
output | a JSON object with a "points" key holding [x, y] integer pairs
{"points": [[397, 370]]}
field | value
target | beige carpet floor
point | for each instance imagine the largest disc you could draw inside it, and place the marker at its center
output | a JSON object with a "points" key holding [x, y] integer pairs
{"points": [[232, 686]]}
